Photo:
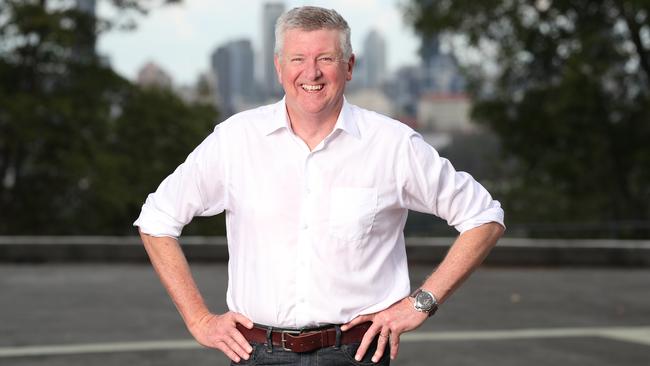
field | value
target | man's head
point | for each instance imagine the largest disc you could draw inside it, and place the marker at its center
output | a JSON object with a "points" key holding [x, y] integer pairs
{"points": [[314, 60], [310, 18]]}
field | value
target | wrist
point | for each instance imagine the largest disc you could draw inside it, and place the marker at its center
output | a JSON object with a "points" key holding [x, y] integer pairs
{"points": [[424, 301], [199, 318]]}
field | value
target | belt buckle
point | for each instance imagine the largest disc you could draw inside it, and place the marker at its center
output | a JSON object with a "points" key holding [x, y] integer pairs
{"points": [[283, 340]]}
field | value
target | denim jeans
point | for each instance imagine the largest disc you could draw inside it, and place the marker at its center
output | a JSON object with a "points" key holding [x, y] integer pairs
{"points": [[330, 356]]}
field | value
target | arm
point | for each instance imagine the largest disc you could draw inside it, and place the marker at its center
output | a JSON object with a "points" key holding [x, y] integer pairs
{"points": [[210, 330], [465, 255]]}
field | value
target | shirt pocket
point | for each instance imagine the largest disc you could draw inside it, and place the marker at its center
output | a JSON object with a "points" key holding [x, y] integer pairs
{"points": [[352, 212]]}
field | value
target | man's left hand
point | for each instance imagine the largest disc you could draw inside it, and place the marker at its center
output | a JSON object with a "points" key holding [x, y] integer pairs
{"points": [[389, 324]]}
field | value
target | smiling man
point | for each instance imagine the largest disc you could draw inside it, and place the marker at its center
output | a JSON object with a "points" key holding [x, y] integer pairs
{"points": [[316, 193]]}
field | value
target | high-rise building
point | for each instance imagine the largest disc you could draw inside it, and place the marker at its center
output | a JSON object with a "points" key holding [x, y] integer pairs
{"points": [[440, 70], [233, 66], [270, 15], [374, 55]]}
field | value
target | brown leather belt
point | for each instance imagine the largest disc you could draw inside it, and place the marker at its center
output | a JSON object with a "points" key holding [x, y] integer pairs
{"points": [[303, 340]]}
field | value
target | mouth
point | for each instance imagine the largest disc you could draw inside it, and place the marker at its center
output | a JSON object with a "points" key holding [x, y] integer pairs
{"points": [[311, 87]]}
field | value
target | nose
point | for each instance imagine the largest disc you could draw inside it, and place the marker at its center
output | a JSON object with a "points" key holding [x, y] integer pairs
{"points": [[312, 70]]}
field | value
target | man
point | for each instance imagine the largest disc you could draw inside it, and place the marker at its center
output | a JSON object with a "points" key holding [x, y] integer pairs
{"points": [[316, 193]]}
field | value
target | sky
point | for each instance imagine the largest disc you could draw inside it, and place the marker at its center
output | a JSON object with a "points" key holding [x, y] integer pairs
{"points": [[180, 38]]}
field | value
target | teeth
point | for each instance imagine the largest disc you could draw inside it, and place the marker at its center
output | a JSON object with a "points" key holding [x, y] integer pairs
{"points": [[312, 87]]}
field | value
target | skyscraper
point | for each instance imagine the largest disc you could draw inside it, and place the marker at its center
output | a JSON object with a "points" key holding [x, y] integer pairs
{"points": [[440, 70], [374, 55], [270, 15], [233, 65]]}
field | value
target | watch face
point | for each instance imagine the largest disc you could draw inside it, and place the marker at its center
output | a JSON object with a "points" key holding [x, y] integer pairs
{"points": [[424, 301]]}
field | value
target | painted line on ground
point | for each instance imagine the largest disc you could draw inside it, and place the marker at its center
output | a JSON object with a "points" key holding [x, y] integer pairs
{"points": [[640, 335]]}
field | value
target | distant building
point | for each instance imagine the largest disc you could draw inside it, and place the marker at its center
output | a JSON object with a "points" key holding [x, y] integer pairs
{"points": [[440, 73], [202, 92], [444, 113], [153, 76], [404, 90], [374, 54], [270, 15], [372, 99], [233, 65], [432, 93]]}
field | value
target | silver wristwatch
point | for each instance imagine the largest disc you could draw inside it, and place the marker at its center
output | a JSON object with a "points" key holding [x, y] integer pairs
{"points": [[424, 301]]}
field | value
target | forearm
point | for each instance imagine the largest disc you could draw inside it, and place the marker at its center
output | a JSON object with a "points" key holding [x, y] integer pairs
{"points": [[464, 256], [173, 270]]}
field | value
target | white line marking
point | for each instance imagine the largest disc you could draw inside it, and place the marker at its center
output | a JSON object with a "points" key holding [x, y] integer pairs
{"points": [[640, 335], [73, 349]]}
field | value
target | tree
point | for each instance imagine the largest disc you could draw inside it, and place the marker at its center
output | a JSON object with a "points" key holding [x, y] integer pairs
{"points": [[566, 87], [79, 145]]}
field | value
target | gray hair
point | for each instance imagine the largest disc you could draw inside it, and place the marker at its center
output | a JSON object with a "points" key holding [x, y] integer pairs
{"points": [[311, 18]]}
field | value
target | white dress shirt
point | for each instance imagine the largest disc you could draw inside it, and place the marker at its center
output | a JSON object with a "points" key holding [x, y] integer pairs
{"points": [[315, 237]]}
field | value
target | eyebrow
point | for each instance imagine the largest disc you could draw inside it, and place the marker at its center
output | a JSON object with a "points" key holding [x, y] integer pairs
{"points": [[335, 54]]}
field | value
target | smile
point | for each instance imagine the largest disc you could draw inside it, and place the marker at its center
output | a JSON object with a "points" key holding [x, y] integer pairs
{"points": [[308, 87]]}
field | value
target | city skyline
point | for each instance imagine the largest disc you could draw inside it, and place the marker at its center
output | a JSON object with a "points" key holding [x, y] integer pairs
{"points": [[181, 38]]}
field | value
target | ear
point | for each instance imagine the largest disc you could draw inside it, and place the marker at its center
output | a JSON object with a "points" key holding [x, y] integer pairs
{"points": [[278, 69], [350, 66]]}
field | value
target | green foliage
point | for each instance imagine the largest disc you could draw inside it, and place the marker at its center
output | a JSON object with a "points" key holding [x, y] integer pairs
{"points": [[566, 87], [80, 147]]}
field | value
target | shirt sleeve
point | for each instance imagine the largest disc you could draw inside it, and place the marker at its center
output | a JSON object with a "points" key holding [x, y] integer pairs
{"points": [[430, 184], [196, 188]]}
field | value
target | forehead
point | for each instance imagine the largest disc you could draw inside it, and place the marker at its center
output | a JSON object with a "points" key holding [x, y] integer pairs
{"points": [[311, 41]]}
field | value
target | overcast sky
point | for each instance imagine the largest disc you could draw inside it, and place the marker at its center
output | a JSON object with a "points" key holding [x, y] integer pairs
{"points": [[180, 38]]}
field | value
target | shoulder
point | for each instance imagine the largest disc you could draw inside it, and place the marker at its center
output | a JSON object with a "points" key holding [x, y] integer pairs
{"points": [[251, 120], [373, 124]]}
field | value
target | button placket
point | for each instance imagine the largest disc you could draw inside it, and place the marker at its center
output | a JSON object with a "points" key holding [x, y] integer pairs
{"points": [[302, 277]]}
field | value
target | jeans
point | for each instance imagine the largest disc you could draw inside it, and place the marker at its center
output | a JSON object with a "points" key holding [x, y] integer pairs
{"points": [[330, 356]]}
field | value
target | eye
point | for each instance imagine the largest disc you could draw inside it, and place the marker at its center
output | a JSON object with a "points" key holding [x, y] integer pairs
{"points": [[296, 59], [326, 59]]}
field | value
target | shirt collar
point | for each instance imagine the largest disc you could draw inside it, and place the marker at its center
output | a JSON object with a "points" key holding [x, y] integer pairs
{"points": [[344, 122], [279, 118]]}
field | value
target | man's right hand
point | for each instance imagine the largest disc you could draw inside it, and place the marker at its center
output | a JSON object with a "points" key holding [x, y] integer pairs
{"points": [[220, 332]]}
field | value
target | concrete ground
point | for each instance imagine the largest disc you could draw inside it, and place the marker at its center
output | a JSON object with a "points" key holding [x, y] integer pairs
{"points": [[119, 314]]}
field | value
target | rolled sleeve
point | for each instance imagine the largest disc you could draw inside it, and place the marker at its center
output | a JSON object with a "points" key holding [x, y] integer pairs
{"points": [[432, 185], [155, 222], [195, 188]]}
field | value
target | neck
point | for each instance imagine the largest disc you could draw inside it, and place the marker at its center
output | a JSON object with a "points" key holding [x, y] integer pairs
{"points": [[312, 128]]}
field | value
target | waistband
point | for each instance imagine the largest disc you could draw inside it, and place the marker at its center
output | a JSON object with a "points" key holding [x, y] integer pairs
{"points": [[304, 340]]}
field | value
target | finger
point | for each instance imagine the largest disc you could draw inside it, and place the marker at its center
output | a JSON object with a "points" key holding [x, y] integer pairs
{"points": [[239, 318], [223, 347], [235, 347], [366, 341], [382, 340], [241, 341], [356, 321], [394, 346]]}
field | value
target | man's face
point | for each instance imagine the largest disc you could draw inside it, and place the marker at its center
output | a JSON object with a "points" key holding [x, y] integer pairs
{"points": [[313, 73]]}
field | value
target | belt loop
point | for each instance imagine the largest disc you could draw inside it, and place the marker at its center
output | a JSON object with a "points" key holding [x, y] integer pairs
{"points": [[337, 344], [269, 340]]}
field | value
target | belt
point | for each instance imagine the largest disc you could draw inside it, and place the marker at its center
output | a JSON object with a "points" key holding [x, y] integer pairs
{"points": [[303, 340]]}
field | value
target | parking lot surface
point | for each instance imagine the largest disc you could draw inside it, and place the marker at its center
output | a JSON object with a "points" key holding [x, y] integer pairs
{"points": [[119, 314]]}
